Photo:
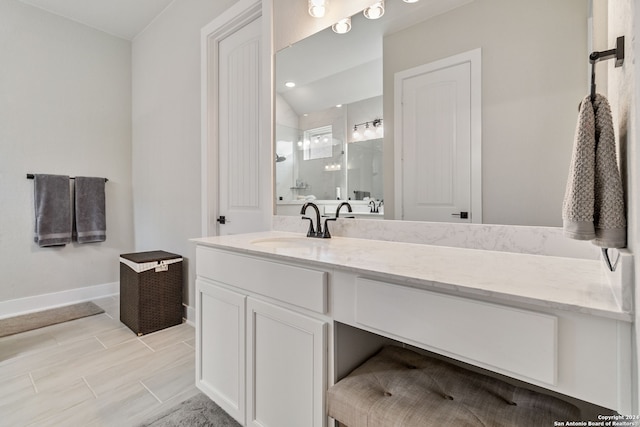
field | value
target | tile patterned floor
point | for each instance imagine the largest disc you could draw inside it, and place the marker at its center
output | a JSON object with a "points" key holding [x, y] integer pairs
{"points": [[94, 371]]}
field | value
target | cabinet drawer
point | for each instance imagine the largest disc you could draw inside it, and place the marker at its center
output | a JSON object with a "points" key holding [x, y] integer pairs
{"points": [[303, 287], [505, 339]]}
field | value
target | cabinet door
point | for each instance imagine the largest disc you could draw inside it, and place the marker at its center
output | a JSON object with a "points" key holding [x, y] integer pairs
{"points": [[285, 367], [220, 347]]}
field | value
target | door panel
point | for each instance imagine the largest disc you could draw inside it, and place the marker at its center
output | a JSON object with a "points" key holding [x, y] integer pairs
{"points": [[240, 74], [436, 157], [285, 367], [220, 324], [437, 140]]}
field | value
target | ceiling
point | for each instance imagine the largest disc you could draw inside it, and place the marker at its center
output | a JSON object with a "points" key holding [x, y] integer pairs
{"points": [[331, 69], [121, 18]]}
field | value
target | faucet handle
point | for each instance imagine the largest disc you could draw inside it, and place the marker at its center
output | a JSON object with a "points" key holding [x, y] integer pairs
{"points": [[326, 234], [311, 232]]}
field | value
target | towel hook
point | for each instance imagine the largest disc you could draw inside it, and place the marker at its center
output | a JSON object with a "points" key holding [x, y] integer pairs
{"points": [[617, 53]]}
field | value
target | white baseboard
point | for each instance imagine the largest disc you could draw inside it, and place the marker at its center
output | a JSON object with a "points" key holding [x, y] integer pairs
{"points": [[191, 315], [25, 305]]}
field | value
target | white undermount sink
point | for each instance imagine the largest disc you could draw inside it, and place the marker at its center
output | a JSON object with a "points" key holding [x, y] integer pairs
{"points": [[290, 242]]}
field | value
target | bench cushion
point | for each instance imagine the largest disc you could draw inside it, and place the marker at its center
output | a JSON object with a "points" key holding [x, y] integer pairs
{"points": [[399, 387]]}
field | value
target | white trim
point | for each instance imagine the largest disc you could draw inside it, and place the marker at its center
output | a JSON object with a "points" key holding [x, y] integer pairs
{"points": [[237, 16], [474, 58], [191, 315], [26, 305]]}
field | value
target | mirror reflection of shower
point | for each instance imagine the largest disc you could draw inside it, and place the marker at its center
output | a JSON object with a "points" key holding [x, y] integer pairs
{"points": [[332, 154]]}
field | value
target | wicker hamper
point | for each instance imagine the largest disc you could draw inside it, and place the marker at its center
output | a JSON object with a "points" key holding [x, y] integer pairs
{"points": [[150, 291]]}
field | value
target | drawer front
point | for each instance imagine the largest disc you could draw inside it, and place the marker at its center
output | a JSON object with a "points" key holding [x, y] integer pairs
{"points": [[303, 287], [505, 339]]}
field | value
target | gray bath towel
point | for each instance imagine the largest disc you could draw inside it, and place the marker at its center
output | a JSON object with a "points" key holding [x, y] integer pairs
{"points": [[91, 223], [593, 207], [52, 197]]}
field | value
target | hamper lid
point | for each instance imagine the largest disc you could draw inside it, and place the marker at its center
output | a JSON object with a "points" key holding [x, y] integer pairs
{"points": [[143, 257]]}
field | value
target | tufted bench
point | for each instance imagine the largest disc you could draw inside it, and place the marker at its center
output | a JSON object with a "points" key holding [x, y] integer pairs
{"points": [[399, 387]]}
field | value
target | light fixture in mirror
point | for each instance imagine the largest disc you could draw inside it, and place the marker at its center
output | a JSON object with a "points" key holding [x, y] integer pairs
{"points": [[343, 26], [317, 8], [374, 11]]}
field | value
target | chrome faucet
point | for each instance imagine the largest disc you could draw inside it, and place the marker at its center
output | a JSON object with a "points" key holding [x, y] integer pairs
{"points": [[312, 232]]}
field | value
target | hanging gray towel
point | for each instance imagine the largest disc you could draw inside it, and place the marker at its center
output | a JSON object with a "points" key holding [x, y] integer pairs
{"points": [[52, 197], [91, 223], [593, 207]]}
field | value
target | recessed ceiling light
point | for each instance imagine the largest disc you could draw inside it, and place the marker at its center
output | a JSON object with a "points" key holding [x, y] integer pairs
{"points": [[290, 84]]}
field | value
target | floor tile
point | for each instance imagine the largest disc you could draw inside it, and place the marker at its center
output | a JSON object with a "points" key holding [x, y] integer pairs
{"points": [[45, 404], [168, 383], [48, 357], [169, 336], [68, 370], [117, 336], [147, 363], [94, 371]]}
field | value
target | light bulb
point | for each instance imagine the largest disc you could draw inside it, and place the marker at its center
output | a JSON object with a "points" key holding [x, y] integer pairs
{"points": [[317, 8], [343, 26], [356, 134], [368, 133], [374, 11]]}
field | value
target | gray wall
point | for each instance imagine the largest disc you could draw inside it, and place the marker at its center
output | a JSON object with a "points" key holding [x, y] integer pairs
{"points": [[166, 131], [65, 108]]}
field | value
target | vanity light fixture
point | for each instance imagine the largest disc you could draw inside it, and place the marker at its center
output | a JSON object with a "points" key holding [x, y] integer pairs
{"points": [[317, 8], [343, 26], [374, 11], [368, 133]]}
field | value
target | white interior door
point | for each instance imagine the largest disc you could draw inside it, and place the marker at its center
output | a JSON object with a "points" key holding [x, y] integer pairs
{"points": [[236, 159], [435, 134], [239, 131]]}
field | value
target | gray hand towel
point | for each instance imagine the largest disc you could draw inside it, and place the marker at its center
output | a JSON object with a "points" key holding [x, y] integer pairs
{"points": [[91, 223], [593, 207], [52, 197]]}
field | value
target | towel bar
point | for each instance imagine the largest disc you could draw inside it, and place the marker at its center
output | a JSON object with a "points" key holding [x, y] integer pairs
{"points": [[32, 176]]}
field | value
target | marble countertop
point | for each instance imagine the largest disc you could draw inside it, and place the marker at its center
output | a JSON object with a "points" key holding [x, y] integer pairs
{"points": [[550, 282]]}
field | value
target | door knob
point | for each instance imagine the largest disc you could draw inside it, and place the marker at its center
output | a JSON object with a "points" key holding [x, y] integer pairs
{"points": [[221, 219]]}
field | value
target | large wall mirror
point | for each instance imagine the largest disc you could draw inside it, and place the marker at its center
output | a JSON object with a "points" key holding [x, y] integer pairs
{"points": [[334, 136]]}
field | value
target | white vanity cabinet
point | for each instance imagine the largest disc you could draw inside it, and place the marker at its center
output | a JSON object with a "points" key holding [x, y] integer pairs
{"points": [[274, 329], [261, 340]]}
